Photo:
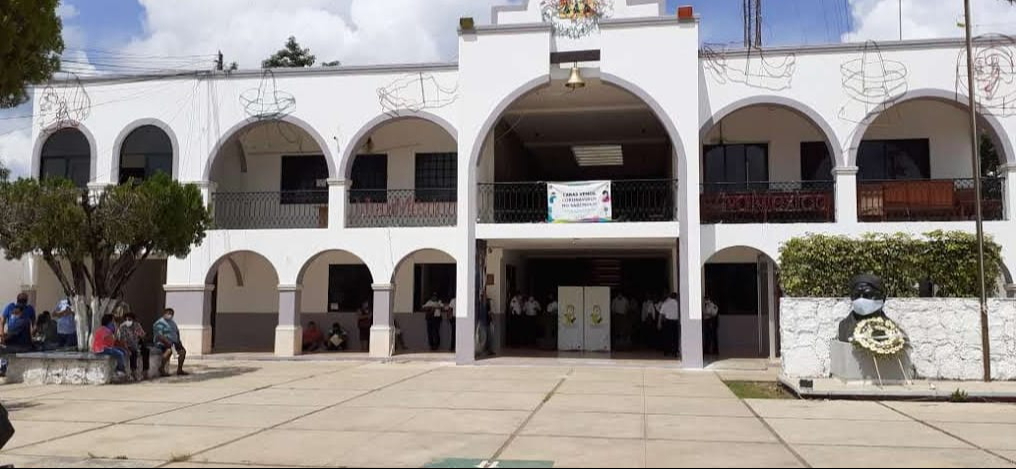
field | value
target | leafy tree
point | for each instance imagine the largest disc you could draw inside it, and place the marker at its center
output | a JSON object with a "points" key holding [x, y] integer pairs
{"points": [[94, 242], [336, 63], [4, 172], [30, 46], [292, 55], [233, 66]]}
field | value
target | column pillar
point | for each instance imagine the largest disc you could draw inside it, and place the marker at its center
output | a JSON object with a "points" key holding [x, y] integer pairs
{"points": [[846, 194], [193, 307], [382, 332], [336, 204], [465, 307], [690, 262], [289, 333], [1010, 191]]}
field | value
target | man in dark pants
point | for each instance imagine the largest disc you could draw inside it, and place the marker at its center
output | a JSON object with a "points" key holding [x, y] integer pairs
{"points": [[451, 322], [433, 309], [670, 325]]}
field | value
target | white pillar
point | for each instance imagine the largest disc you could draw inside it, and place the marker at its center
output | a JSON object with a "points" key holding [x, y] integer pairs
{"points": [[690, 262], [1010, 191], [846, 194], [381, 332], [193, 307], [771, 307], [336, 204], [289, 333], [465, 307]]}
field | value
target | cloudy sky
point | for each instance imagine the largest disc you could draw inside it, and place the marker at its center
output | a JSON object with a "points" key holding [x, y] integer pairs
{"points": [[141, 35]]}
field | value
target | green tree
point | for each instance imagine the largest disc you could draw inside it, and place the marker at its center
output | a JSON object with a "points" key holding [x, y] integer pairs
{"points": [[30, 46], [94, 242], [290, 56], [336, 63]]}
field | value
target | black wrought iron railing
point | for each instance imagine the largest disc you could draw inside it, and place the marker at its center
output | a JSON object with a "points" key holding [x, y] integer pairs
{"points": [[643, 200], [270, 210], [369, 208], [768, 202], [929, 199]]}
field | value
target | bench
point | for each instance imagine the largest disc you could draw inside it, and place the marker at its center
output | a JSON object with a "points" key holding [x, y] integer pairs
{"points": [[74, 368]]}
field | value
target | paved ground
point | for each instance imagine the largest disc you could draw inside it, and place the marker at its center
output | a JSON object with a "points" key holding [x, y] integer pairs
{"points": [[411, 414]]}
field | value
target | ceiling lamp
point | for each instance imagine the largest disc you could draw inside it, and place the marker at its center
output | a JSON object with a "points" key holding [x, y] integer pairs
{"points": [[598, 155]]}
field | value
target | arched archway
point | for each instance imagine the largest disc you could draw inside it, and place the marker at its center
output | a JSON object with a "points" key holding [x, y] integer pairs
{"points": [[609, 130], [416, 278], [402, 171], [333, 286], [143, 148], [914, 160], [245, 303], [777, 172], [270, 174], [67, 153], [743, 283]]}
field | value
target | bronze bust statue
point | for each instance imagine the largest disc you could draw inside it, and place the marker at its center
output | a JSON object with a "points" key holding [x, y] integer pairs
{"points": [[867, 293]]}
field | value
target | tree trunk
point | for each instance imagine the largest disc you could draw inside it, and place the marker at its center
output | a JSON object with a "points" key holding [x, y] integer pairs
{"points": [[88, 312]]}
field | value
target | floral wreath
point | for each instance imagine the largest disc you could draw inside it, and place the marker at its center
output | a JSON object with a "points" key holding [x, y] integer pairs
{"points": [[879, 336], [576, 18]]}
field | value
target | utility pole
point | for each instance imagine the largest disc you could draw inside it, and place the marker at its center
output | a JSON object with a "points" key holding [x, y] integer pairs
{"points": [[975, 151], [752, 24], [218, 62]]}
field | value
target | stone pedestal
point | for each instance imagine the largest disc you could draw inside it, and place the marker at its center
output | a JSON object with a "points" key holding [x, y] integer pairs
{"points": [[288, 341], [61, 368], [850, 364]]}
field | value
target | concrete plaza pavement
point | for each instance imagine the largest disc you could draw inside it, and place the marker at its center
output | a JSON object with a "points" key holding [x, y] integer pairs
{"points": [[409, 414]]}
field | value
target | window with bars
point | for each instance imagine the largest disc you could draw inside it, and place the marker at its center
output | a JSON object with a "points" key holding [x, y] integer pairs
{"points": [[436, 177], [369, 179], [304, 180], [736, 167]]}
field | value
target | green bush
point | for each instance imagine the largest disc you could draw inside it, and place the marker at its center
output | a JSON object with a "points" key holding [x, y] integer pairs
{"points": [[822, 266]]}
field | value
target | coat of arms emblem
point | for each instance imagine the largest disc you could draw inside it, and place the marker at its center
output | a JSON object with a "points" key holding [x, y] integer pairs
{"points": [[576, 18]]}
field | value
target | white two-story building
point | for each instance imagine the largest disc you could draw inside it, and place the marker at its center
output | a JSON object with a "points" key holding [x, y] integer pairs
{"points": [[331, 187]]}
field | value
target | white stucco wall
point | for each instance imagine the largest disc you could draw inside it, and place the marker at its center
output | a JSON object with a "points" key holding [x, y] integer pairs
{"points": [[945, 338], [259, 293], [11, 279]]}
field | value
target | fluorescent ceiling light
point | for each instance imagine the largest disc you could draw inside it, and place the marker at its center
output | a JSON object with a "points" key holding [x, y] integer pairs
{"points": [[598, 155]]}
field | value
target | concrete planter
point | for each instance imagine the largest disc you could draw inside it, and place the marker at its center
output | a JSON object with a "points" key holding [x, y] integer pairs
{"points": [[945, 337]]}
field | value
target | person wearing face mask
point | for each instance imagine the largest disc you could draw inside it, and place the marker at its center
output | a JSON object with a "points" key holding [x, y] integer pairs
{"points": [[104, 343], [868, 296], [132, 336], [27, 312], [167, 338]]}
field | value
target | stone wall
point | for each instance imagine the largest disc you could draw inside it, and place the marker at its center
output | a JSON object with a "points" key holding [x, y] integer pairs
{"points": [[945, 335]]}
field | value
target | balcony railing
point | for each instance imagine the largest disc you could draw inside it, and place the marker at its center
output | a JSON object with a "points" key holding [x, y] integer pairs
{"points": [[768, 202], [643, 200], [270, 210], [928, 200], [369, 208]]}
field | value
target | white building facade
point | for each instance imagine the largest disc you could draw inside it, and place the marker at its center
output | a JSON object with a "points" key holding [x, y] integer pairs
{"points": [[408, 179]]}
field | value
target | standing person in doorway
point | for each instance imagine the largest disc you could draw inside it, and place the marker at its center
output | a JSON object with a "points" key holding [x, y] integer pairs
{"points": [[669, 325], [550, 322], [648, 325], [532, 320], [515, 320], [619, 314], [167, 338], [433, 309], [364, 320], [450, 315], [66, 325], [711, 326]]}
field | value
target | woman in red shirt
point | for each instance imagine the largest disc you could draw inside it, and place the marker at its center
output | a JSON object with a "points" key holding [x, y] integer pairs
{"points": [[104, 343]]}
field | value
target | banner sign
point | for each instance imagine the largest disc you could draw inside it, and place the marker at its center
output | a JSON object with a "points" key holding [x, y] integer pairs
{"points": [[579, 202]]}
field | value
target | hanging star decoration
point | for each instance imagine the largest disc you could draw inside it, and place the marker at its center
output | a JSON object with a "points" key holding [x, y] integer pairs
{"points": [[576, 18]]}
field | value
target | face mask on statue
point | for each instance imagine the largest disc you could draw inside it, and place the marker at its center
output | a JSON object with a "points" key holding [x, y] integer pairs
{"points": [[867, 306]]}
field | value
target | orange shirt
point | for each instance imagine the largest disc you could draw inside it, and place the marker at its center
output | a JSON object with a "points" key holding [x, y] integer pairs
{"points": [[313, 336], [102, 339]]}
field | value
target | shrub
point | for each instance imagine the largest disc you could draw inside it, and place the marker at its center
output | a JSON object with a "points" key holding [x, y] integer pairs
{"points": [[822, 266]]}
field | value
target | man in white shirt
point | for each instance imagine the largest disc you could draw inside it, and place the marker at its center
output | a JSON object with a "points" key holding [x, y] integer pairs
{"points": [[516, 322], [670, 325], [434, 308], [648, 322], [532, 328], [710, 327], [621, 329], [450, 313], [549, 324]]}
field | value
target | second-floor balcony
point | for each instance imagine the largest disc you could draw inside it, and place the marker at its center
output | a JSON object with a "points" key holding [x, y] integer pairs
{"points": [[368, 208], [929, 200], [642, 200], [768, 202], [270, 210]]}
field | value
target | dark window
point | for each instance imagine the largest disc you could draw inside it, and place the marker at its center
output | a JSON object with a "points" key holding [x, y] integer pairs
{"points": [[435, 177], [304, 180], [370, 179], [816, 165], [893, 159], [67, 154], [146, 151], [732, 167], [739, 284], [348, 287], [429, 279]]}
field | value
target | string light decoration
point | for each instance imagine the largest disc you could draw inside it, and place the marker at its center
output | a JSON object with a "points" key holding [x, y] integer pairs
{"points": [[994, 73], [414, 93], [267, 101], [576, 18], [756, 70], [871, 83], [66, 104]]}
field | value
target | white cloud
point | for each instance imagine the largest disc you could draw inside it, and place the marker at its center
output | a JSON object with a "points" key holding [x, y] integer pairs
{"points": [[923, 19], [352, 31], [16, 151]]}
